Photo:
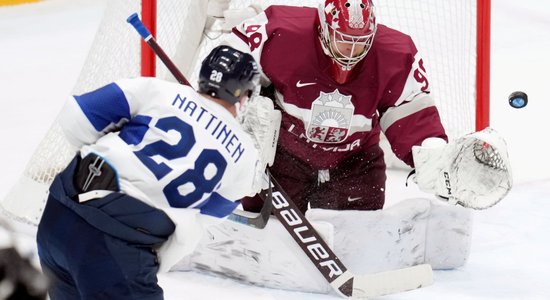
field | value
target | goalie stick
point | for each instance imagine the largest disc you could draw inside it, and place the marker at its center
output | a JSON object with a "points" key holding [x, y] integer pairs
{"points": [[344, 282]]}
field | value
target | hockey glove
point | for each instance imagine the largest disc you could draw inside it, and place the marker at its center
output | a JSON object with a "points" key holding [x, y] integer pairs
{"points": [[473, 171], [262, 122]]}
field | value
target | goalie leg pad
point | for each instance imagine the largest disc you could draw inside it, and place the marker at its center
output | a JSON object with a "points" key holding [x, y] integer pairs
{"points": [[379, 240], [411, 232], [268, 257], [448, 236]]}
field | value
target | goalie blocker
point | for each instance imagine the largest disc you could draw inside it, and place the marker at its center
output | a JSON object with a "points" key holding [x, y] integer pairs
{"points": [[473, 171]]}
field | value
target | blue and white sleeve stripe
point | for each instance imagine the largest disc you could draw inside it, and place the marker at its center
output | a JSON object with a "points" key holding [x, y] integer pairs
{"points": [[217, 206], [104, 106]]}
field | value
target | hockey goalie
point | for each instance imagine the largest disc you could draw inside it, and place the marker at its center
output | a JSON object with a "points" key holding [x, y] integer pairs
{"points": [[348, 79]]}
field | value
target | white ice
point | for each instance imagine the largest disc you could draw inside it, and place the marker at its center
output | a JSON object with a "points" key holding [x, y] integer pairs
{"points": [[43, 47]]}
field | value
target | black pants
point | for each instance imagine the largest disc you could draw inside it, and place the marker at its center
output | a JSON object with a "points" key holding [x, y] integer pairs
{"points": [[102, 248]]}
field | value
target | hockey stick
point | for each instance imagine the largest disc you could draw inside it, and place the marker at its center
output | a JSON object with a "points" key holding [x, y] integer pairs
{"points": [[239, 216], [325, 260], [150, 40], [252, 219]]}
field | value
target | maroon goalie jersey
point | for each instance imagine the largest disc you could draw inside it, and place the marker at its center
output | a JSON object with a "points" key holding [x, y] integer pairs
{"points": [[325, 122]]}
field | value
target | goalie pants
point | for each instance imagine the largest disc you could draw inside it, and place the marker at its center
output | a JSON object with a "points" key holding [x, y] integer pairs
{"points": [[102, 248], [357, 183]]}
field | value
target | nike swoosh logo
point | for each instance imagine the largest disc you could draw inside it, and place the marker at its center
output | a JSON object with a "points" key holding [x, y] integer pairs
{"points": [[354, 199], [300, 84]]}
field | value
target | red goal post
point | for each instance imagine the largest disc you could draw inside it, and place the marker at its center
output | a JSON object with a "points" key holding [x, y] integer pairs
{"points": [[483, 64], [149, 19]]}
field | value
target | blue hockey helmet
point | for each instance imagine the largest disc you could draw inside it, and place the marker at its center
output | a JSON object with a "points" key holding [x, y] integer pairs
{"points": [[228, 74]]}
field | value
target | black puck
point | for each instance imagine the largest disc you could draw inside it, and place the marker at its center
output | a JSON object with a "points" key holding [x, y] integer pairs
{"points": [[517, 99]]}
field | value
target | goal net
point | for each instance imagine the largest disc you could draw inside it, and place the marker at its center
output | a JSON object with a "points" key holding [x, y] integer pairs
{"points": [[446, 32]]}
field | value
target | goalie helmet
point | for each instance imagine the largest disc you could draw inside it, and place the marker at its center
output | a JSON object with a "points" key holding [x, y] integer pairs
{"points": [[228, 74], [346, 31]]}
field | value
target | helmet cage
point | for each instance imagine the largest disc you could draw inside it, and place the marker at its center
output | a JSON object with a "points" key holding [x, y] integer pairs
{"points": [[330, 35], [347, 59]]}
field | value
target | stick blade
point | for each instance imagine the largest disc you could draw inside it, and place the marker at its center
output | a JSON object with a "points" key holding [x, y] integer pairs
{"points": [[391, 282]]}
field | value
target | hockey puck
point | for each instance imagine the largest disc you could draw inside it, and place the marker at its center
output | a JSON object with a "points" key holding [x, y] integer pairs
{"points": [[517, 99]]}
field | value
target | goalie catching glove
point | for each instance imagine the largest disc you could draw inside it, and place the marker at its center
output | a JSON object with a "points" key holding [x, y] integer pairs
{"points": [[262, 122], [473, 171]]}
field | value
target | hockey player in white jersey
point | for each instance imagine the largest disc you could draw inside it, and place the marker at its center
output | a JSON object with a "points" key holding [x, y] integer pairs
{"points": [[154, 157]]}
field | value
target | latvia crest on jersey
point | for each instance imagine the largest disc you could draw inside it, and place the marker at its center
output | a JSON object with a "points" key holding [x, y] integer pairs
{"points": [[330, 120]]}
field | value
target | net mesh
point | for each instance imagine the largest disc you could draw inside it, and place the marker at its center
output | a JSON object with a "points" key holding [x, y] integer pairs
{"points": [[487, 154]]}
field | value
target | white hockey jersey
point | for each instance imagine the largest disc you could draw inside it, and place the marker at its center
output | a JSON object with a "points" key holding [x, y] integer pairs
{"points": [[170, 147]]}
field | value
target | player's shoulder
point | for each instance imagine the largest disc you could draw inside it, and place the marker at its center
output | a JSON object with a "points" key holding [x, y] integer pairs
{"points": [[287, 11], [146, 81], [285, 14], [395, 41], [148, 85]]}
